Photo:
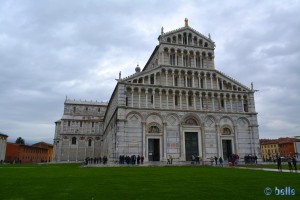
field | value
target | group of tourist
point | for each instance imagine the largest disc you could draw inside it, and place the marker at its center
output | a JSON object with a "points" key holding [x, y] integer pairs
{"points": [[216, 159], [232, 160], [250, 159], [290, 160], [96, 160], [133, 159]]}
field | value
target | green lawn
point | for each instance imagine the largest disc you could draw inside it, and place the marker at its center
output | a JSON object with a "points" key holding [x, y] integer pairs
{"points": [[69, 181]]}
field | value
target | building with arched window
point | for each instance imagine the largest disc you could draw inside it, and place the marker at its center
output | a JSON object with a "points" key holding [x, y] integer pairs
{"points": [[179, 104]]}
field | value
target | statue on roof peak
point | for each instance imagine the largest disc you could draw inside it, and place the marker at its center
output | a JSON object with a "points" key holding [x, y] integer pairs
{"points": [[186, 22]]}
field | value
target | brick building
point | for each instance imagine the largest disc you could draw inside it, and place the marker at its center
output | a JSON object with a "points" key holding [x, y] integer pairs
{"points": [[269, 149], [19, 153], [45, 145], [283, 147]]}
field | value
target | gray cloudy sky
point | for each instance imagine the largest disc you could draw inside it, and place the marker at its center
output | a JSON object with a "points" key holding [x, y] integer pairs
{"points": [[53, 48]]}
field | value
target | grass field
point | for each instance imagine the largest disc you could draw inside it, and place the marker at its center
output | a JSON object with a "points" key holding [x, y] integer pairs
{"points": [[69, 181]]}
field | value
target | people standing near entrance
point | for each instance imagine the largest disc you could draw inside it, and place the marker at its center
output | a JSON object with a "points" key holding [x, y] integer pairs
{"points": [[289, 160], [294, 161], [279, 163], [221, 161], [171, 159], [216, 160]]}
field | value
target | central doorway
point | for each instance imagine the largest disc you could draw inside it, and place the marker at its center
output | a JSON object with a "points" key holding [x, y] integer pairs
{"points": [[191, 145], [227, 148], [153, 150]]}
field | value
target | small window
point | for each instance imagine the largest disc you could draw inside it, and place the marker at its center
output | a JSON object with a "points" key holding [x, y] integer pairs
{"points": [[93, 124], [222, 103], [245, 106], [176, 100], [126, 101], [189, 82], [90, 142], [74, 109], [69, 123], [99, 109], [80, 124], [86, 108], [73, 140], [190, 101], [151, 99], [176, 81], [152, 80]]}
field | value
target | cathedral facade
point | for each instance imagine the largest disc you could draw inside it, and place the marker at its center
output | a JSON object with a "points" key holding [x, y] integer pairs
{"points": [[177, 105]]}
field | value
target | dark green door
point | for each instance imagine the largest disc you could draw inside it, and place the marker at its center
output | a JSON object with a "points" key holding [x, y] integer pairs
{"points": [[227, 148], [191, 145], [153, 150]]}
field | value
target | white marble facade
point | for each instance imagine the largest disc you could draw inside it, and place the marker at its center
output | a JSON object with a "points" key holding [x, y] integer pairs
{"points": [[178, 105]]}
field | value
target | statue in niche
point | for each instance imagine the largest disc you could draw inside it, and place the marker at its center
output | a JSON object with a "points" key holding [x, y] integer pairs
{"points": [[190, 122], [226, 131], [153, 129]]}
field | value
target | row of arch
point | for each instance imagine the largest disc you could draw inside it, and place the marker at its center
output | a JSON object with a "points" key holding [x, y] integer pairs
{"points": [[161, 91], [172, 50], [187, 38], [182, 78], [198, 120], [187, 100]]}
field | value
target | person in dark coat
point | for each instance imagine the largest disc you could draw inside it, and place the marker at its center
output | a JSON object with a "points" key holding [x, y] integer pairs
{"points": [[142, 159], [138, 159], [294, 161], [216, 160], [279, 163], [221, 161]]}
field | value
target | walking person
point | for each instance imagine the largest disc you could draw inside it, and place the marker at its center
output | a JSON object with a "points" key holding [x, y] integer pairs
{"points": [[138, 159], [169, 160], [221, 161], [294, 161], [216, 160], [279, 163]]}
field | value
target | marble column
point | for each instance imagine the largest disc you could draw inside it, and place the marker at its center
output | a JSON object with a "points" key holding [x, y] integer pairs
{"points": [[146, 93], [166, 78], [139, 97]]}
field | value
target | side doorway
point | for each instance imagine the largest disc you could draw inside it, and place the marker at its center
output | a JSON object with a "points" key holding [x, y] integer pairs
{"points": [[153, 150]]}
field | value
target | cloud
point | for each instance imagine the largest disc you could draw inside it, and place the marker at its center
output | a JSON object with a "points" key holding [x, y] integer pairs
{"points": [[55, 48]]}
